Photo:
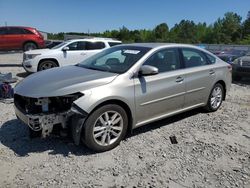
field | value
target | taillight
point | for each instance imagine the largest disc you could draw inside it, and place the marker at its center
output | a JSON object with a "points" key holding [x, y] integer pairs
{"points": [[229, 68]]}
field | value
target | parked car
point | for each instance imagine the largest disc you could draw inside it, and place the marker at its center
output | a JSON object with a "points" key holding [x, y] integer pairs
{"points": [[20, 38], [121, 88], [229, 58], [241, 67], [67, 53]]}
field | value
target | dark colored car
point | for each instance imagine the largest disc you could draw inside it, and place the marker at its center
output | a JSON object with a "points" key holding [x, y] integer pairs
{"points": [[229, 58], [20, 38], [241, 67]]}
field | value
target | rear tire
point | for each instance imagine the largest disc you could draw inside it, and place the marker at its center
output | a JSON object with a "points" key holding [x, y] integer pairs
{"points": [[29, 46], [215, 98], [47, 64], [105, 128]]}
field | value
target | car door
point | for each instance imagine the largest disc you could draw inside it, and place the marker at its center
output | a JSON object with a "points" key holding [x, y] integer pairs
{"points": [[15, 38], [199, 76], [163, 93], [75, 53], [79, 51], [3, 41]]}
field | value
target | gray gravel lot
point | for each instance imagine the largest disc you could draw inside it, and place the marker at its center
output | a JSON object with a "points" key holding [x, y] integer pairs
{"points": [[213, 150]]}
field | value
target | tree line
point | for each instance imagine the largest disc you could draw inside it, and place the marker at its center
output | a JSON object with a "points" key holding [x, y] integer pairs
{"points": [[230, 29]]}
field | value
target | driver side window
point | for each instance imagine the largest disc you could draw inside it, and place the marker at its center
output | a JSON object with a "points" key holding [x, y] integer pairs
{"points": [[165, 60], [77, 46]]}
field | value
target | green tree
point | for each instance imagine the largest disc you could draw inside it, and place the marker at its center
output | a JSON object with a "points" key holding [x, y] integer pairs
{"points": [[231, 27], [246, 26], [184, 32], [161, 32]]}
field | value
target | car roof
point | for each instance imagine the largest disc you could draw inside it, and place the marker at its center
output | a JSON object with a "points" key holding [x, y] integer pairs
{"points": [[158, 45], [94, 39], [23, 27]]}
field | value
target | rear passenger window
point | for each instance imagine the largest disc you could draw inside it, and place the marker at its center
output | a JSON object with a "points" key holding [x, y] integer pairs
{"points": [[165, 60], [193, 58], [95, 45]]}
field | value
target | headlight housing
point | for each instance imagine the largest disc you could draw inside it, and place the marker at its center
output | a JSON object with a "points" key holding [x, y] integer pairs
{"points": [[30, 56], [237, 61]]}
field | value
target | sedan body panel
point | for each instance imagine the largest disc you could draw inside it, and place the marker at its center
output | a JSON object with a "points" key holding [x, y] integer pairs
{"points": [[157, 95]]}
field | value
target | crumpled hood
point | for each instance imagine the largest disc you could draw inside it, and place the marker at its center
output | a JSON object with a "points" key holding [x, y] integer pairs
{"points": [[62, 81]]}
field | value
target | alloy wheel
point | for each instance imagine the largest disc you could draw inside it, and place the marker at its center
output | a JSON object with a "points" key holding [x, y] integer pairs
{"points": [[216, 97], [108, 128]]}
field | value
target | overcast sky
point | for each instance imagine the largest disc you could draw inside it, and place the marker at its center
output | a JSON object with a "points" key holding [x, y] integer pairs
{"points": [[101, 15]]}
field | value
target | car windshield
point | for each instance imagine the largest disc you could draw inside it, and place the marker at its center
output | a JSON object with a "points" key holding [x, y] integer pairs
{"points": [[116, 59], [59, 45]]}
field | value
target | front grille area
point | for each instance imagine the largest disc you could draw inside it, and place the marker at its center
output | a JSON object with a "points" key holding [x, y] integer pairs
{"points": [[55, 104], [245, 63]]}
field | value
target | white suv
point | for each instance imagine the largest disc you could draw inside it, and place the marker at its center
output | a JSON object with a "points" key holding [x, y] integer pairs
{"points": [[67, 53]]}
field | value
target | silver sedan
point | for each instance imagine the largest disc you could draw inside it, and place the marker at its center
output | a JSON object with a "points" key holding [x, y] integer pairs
{"points": [[100, 99]]}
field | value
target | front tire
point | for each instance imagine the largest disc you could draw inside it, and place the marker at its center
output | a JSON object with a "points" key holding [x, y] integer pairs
{"points": [[215, 98], [47, 64], [105, 128]]}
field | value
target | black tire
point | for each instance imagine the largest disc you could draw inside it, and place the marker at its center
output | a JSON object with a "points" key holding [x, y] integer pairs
{"points": [[210, 107], [47, 64], [29, 46], [94, 119], [236, 77], [34, 134]]}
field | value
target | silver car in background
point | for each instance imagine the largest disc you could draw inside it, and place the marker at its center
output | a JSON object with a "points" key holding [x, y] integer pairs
{"points": [[119, 89]]}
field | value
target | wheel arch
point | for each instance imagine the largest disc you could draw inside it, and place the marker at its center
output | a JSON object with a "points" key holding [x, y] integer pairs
{"points": [[45, 59], [27, 41], [121, 104]]}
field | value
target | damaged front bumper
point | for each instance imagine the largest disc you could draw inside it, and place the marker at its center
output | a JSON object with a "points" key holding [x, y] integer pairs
{"points": [[43, 122], [72, 118]]}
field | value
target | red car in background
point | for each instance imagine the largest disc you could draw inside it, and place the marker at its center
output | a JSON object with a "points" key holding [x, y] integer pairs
{"points": [[20, 38]]}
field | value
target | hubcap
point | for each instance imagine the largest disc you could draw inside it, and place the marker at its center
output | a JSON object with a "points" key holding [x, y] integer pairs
{"points": [[47, 66], [108, 128], [216, 97]]}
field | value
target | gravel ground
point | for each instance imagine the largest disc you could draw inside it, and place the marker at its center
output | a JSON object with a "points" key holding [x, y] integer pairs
{"points": [[213, 150]]}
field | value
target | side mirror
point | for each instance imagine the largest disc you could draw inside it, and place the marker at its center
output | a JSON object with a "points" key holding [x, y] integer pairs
{"points": [[147, 70], [66, 48]]}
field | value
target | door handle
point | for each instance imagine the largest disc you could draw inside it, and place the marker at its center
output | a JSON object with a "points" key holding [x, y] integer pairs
{"points": [[179, 79], [211, 72], [83, 53]]}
